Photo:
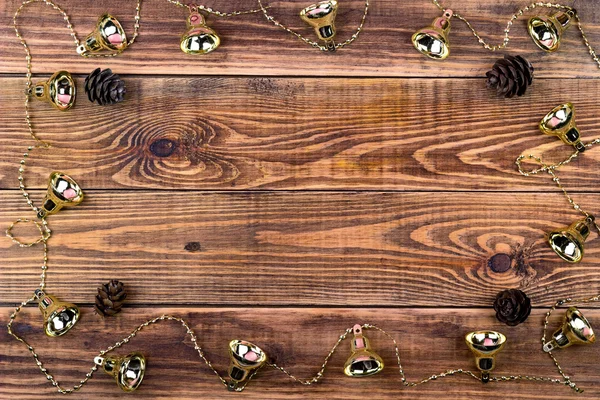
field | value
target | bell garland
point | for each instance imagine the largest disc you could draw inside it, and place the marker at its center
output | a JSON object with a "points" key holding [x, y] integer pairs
{"points": [[247, 358]]}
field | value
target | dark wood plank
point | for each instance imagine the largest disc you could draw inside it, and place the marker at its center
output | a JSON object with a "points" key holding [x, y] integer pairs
{"points": [[240, 133], [251, 46], [323, 248], [298, 339]]}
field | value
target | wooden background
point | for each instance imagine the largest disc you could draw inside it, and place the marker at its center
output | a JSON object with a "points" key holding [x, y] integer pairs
{"points": [[368, 186]]}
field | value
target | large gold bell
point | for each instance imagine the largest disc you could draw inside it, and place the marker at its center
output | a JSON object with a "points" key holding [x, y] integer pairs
{"points": [[560, 121], [199, 38], [62, 191], [575, 330], [108, 35], [127, 370], [321, 16], [362, 361], [568, 242], [59, 316], [485, 345], [245, 359], [546, 31], [59, 90], [433, 39]]}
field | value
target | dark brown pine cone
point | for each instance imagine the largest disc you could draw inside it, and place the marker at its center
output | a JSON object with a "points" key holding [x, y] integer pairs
{"points": [[512, 306], [104, 87], [510, 75], [110, 298]]}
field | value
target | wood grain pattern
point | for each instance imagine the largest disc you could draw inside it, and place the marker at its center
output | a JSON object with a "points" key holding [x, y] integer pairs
{"points": [[298, 339], [251, 46], [268, 133], [319, 248]]}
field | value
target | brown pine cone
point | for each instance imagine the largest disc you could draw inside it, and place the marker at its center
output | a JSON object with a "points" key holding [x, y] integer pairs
{"points": [[512, 306], [510, 75], [104, 87], [110, 298]]}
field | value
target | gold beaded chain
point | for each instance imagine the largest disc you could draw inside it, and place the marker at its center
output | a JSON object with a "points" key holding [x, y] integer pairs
{"points": [[45, 234], [551, 169], [515, 16], [331, 46]]}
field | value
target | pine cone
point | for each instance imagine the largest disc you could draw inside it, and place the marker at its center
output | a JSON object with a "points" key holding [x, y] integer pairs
{"points": [[104, 87], [110, 298], [512, 306], [510, 75]]}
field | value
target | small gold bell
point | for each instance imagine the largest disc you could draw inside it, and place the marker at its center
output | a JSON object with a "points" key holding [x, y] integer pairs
{"points": [[108, 35], [575, 329], [59, 90], [199, 38], [59, 316], [560, 121], [546, 31], [362, 361], [245, 358], [62, 191], [127, 370], [321, 16], [433, 39], [568, 242], [485, 345]]}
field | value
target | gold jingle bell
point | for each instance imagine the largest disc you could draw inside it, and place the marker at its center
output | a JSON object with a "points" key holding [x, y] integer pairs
{"points": [[485, 345], [245, 358], [108, 35], [62, 191], [568, 242], [575, 330], [59, 316], [199, 38], [127, 370], [560, 121], [362, 361], [321, 16], [59, 90], [546, 31], [433, 39]]}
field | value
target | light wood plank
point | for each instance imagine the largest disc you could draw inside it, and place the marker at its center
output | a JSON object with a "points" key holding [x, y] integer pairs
{"points": [[252, 46], [257, 133], [298, 339], [323, 248]]}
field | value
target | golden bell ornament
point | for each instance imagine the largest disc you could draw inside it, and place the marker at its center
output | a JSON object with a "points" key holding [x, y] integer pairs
{"points": [[363, 361], [546, 31], [321, 16], [245, 358], [485, 345], [199, 38], [62, 191], [59, 90], [433, 39], [59, 316], [127, 370], [561, 122], [568, 242], [575, 330], [108, 35]]}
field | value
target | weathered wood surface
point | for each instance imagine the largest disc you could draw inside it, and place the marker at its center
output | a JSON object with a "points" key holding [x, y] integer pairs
{"points": [[298, 339], [302, 133], [252, 46], [288, 182], [315, 248]]}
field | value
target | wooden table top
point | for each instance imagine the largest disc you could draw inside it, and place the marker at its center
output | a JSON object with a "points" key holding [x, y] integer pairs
{"points": [[372, 185]]}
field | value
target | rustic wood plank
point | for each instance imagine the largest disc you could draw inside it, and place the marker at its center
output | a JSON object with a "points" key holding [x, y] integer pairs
{"points": [[430, 341], [251, 46], [240, 133], [322, 248]]}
